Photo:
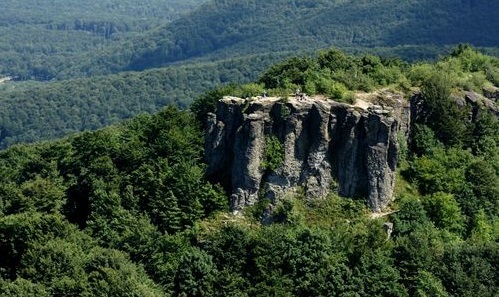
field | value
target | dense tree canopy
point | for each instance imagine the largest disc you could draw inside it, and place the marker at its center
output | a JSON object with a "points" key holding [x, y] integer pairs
{"points": [[202, 43], [220, 28], [31, 112], [66, 39], [42, 40]]}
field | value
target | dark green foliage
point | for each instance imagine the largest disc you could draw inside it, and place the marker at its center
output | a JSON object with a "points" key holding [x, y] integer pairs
{"points": [[444, 211], [30, 113], [377, 275], [124, 186], [471, 180], [485, 139], [333, 73], [414, 253], [102, 37], [230, 248], [300, 262], [274, 154], [470, 270], [285, 213], [22, 288], [195, 275], [411, 215], [19, 230], [442, 114], [46, 40], [299, 26], [288, 73], [335, 60], [66, 40], [455, 157], [471, 60], [423, 140], [483, 186], [88, 104], [443, 170], [143, 177]]}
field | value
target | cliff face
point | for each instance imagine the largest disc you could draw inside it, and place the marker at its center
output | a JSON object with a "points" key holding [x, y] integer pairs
{"points": [[325, 146]]}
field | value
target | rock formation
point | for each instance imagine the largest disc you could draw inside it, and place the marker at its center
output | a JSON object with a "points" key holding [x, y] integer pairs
{"points": [[478, 103], [326, 145]]}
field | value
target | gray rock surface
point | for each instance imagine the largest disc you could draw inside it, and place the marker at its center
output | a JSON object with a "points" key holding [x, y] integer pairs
{"points": [[491, 92], [327, 146], [477, 102]]}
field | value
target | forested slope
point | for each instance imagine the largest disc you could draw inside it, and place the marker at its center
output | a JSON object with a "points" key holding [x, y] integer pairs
{"points": [[43, 39], [127, 211], [71, 39], [220, 28], [67, 40], [31, 112]]}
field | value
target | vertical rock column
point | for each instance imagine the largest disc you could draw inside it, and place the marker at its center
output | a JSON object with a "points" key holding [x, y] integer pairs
{"points": [[381, 159], [249, 146], [347, 151]]}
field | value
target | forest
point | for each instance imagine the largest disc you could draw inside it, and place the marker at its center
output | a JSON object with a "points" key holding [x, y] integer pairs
{"points": [[221, 28], [42, 40], [31, 112], [47, 40], [127, 211], [103, 187]]}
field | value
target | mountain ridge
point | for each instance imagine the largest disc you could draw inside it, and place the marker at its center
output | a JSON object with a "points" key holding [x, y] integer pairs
{"points": [[301, 25]]}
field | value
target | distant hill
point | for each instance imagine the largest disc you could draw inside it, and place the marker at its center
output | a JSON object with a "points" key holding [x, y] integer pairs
{"points": [[194, 45], [222, 28], [65, 39], [31, 112], [39, 39]]}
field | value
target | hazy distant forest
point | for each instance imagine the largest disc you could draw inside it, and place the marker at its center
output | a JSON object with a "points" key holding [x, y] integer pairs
{"points": [[120, 206]]}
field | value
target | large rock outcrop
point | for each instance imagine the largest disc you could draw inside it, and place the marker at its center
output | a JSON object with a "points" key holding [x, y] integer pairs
{"points": [[351, 149]]}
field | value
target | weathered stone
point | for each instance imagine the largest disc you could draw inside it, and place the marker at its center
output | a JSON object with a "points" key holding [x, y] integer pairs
{"points": [[472, 97], [479, 102], [460, 101], [491, 92], [388, 226], [324, 143]]}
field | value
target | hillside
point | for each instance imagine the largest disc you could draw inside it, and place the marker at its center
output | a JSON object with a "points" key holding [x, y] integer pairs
{"points": [[42, 39], [128, 210], [102, 37], [31, 112], [195, 41], [224, 28]]}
